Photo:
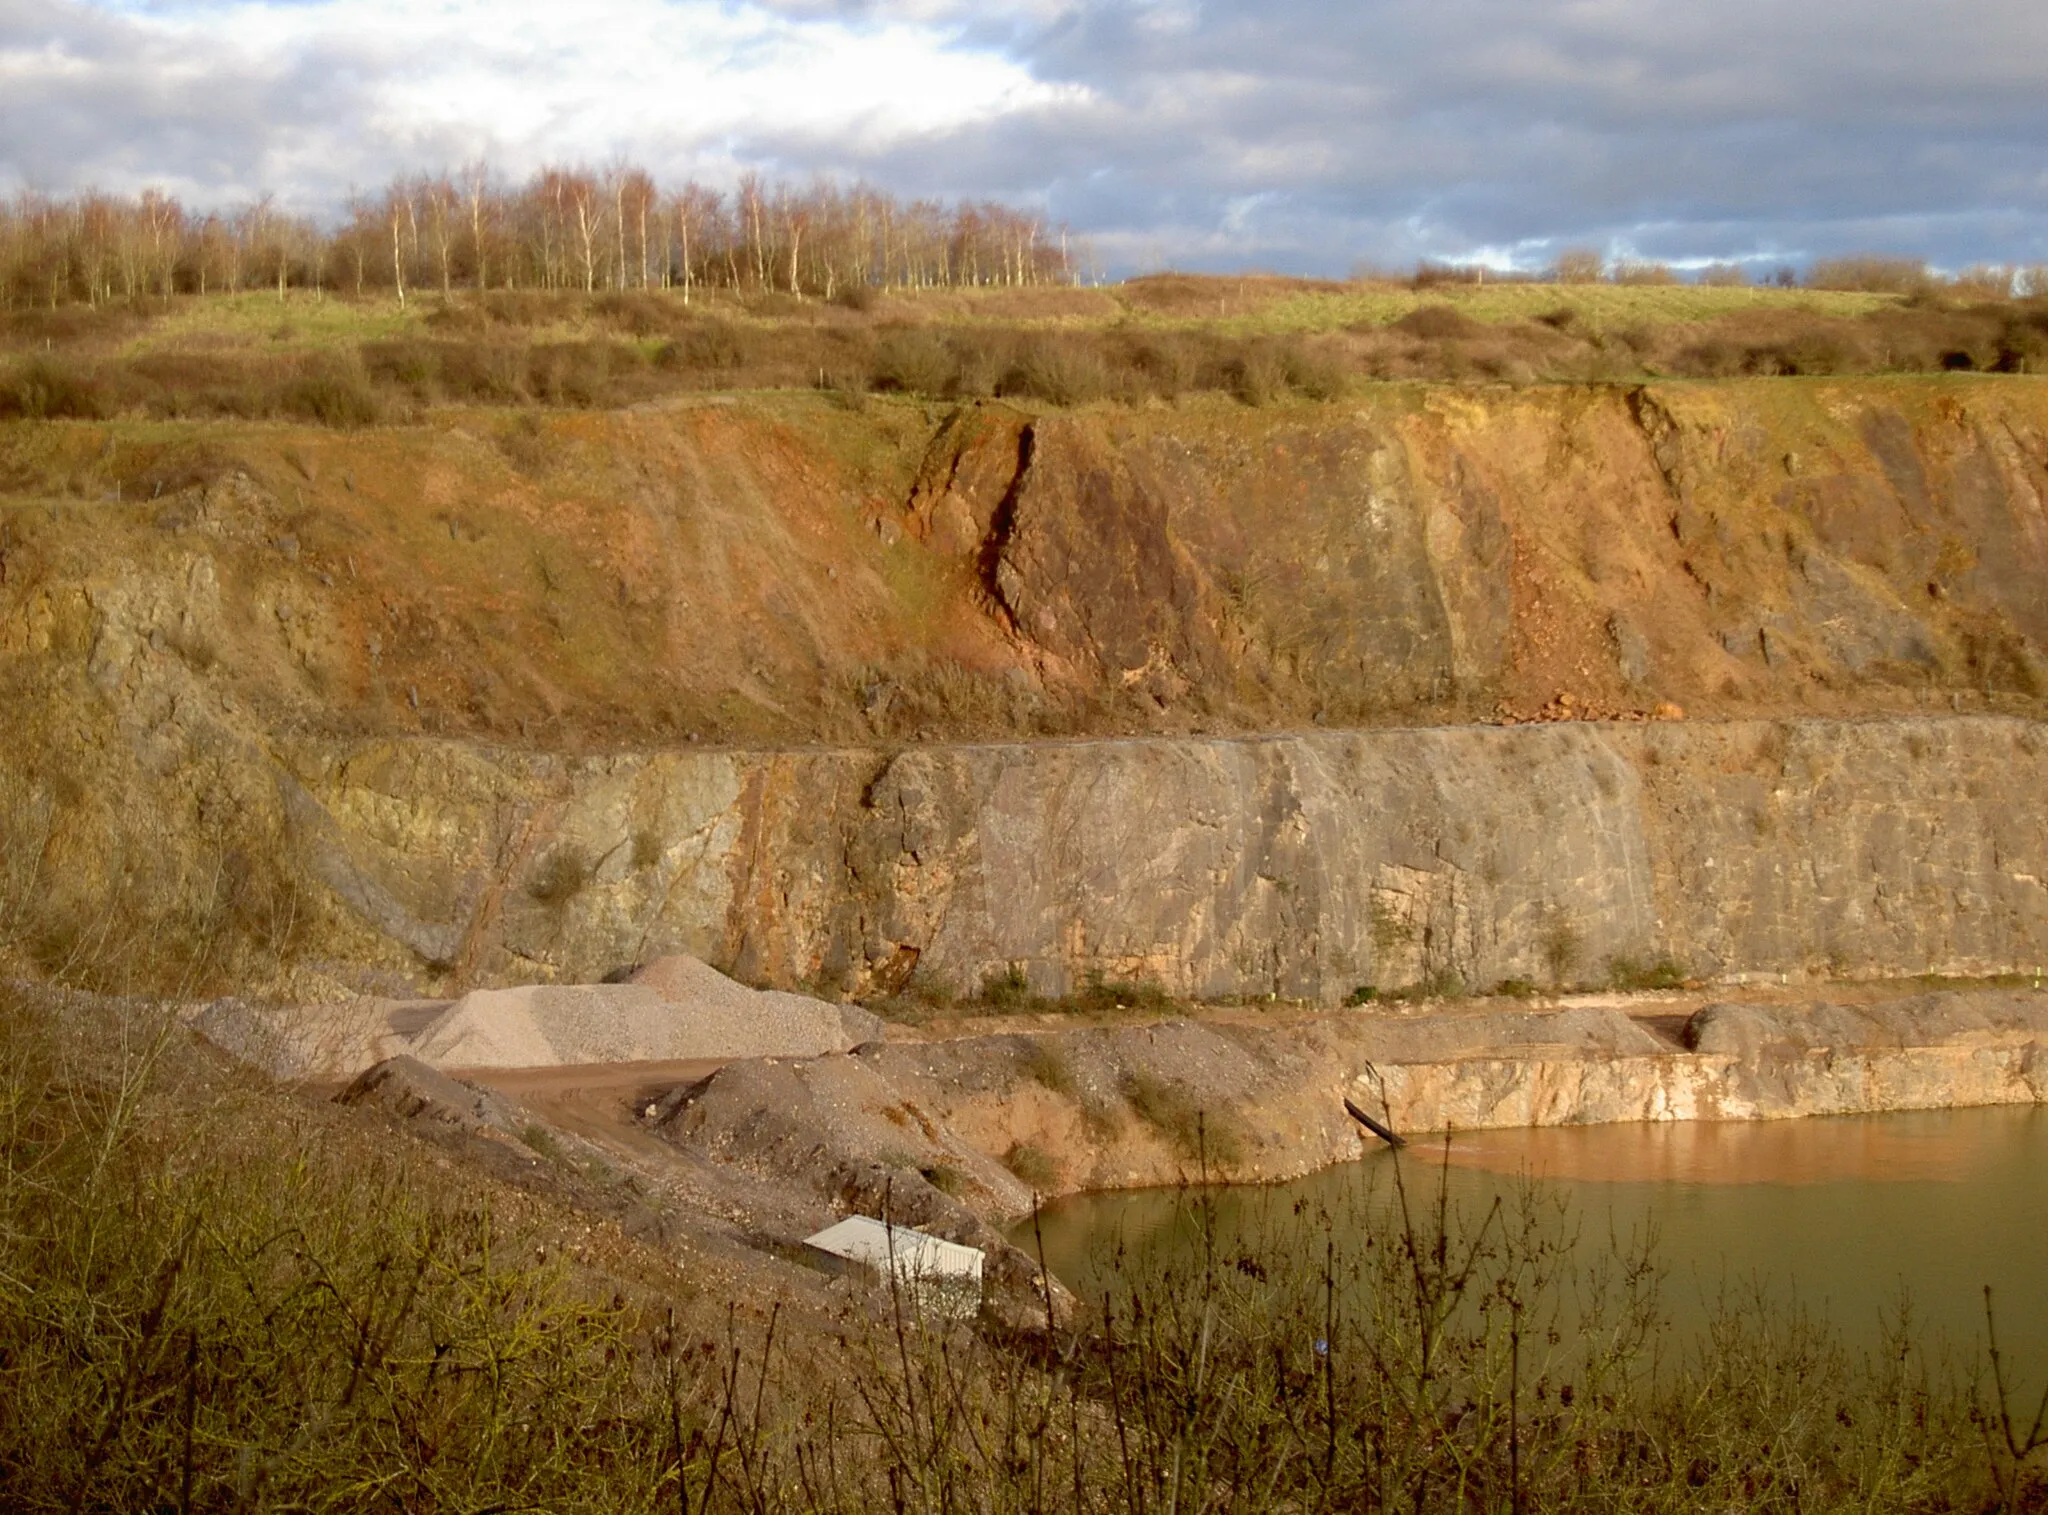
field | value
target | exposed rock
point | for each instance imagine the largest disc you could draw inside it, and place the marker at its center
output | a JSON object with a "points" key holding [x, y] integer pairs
{"points": [[412, 1091], [438, 773]]}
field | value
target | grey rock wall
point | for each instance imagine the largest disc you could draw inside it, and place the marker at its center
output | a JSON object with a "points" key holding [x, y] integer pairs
{"points": [[1302, 866]]}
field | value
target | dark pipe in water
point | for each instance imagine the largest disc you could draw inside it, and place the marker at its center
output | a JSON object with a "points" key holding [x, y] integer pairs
{"points": [[1384, 1133]]}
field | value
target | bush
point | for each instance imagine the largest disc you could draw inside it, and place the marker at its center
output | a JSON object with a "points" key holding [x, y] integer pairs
{"points": [[1101, 994], [562, 875], [1255, 376], [1438, 323], [576, 373], [1006, 988], [637, 312], [43, 389], [706, 345], [331, 392], [1055, 368], [1045, 1062], [1870, 273], [1192, 1132], [915, 360], [1033, 1165], [1632, 973]]}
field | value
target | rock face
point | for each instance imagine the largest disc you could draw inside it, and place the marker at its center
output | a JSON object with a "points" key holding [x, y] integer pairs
{"points": [[1302, 866], [1118, 1107], [403, 711], [1934, 1052]]}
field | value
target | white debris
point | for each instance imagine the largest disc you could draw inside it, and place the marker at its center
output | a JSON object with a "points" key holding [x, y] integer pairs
{"points": [[937, 1275]]}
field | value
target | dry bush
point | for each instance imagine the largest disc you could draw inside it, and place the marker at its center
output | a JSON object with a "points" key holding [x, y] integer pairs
{"points": [[638, 312], [39, 326], [706, 345], [517, 308], [1165, 364], [1439, 323], [213, 1303], [1871, 273], [1055, 367], [1429, 275], [1195, 1134], [582, 374], [331, 390], [1579, 265], [49, 389], [1256, 373], [915, 360]]}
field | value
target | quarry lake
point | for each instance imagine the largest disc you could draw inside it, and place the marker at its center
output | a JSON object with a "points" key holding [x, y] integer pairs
{"points": [[1842, 1216]]}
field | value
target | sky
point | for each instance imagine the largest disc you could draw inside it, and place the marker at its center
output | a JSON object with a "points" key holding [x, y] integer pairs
{"points": [[1304, 136]]}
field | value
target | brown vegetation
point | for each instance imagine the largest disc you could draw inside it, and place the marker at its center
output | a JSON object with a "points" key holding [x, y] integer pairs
{"points": [[347, 363]]}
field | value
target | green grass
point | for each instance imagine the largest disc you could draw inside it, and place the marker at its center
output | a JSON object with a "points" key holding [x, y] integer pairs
{"points": [[1601, 307]]}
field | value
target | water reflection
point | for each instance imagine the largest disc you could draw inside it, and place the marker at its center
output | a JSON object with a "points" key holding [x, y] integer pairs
{"points": [[1940, 1148], [1844, 1216]]}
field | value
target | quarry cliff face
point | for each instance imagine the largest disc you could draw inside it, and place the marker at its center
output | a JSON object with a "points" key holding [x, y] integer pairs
{"points": [[1299, 866], [863, 700]]}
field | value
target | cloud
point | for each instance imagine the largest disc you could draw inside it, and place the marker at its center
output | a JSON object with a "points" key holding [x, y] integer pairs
{"points": [[1306, 134], [226, 96]]}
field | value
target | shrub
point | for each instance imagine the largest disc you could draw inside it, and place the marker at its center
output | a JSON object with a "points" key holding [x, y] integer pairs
{"points": [[1255, 376], [1006, 989], [1630, 973], [1313, 369], [707, 344], [562, 875], [1100, 994], [1033, 1166], [637, 312], [1045, 1062], [1579, 265], [1163, 364], [1560, 945], [43, 389], [1055, 368], [331, 392], [1438, 323], [1870, 273], [1190, 1130], [197, 1276], [914, 360], [574, 373]]}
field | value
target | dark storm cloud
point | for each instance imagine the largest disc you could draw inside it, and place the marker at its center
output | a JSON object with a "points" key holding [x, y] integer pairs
{"points": [[1404, 128], [1303, 133]]}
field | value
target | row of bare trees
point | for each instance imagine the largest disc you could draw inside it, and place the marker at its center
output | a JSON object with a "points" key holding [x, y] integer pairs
{"points": [[613, 228]]}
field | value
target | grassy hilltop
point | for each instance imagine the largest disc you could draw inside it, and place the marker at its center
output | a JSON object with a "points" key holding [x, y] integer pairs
{"points": [[349, 361]]}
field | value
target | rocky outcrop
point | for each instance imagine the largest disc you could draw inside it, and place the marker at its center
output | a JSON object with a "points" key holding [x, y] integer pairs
{"points": [[401, 710], [1300, 867], [993, 1119]]}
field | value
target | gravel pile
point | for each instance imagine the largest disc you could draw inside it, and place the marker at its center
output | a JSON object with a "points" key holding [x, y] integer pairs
{"points": [[674, 1009]]}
